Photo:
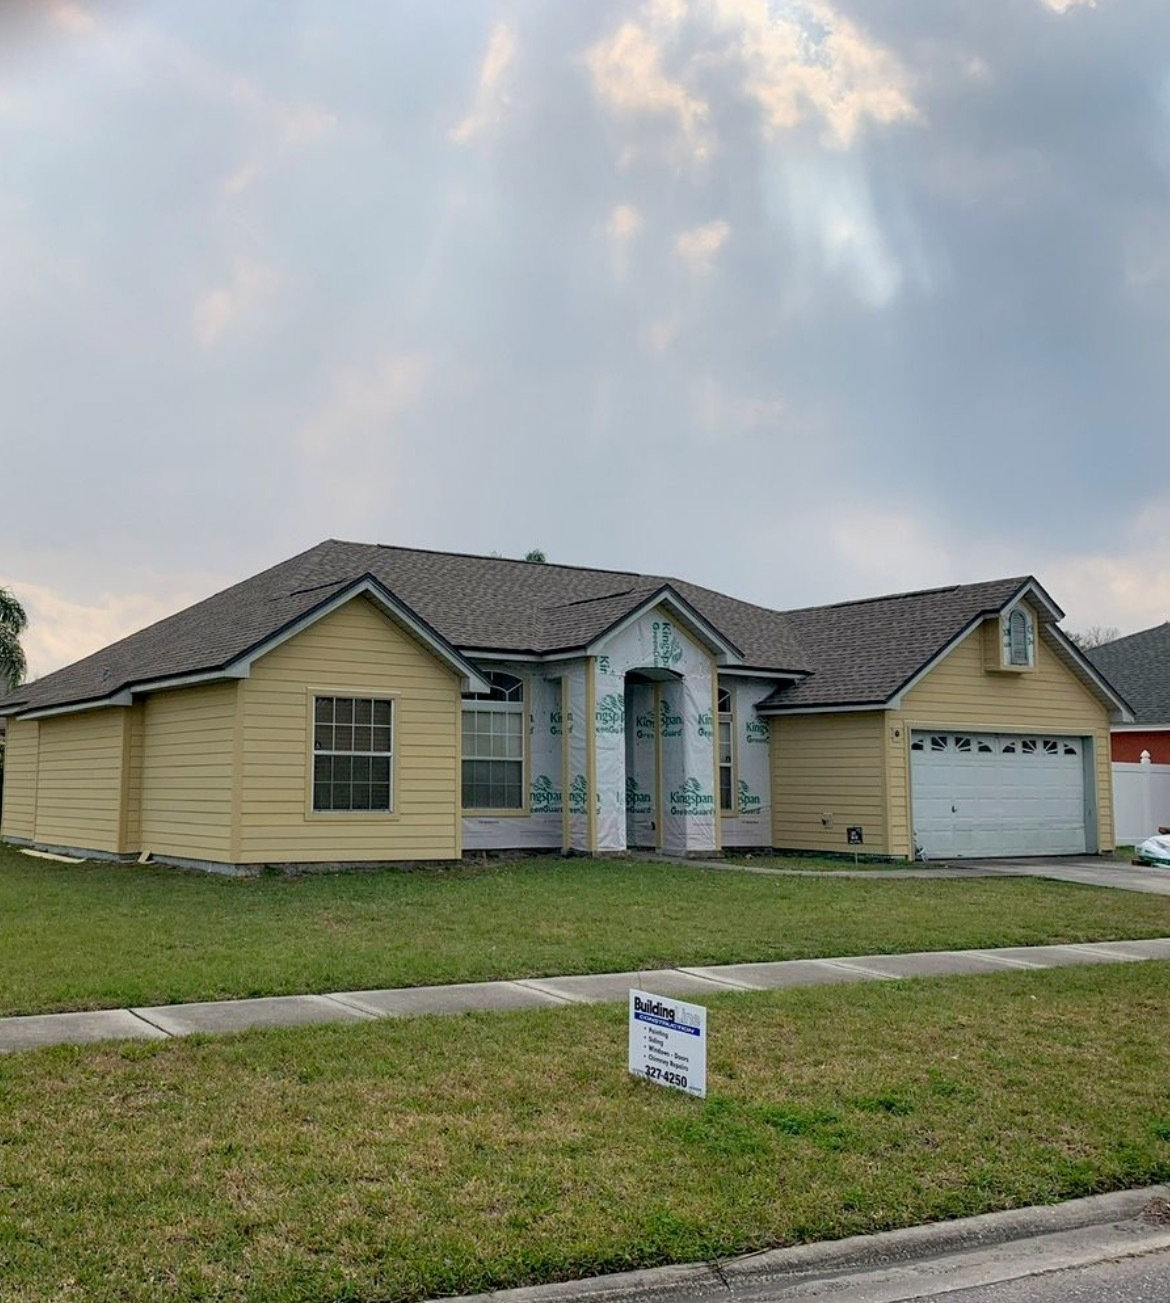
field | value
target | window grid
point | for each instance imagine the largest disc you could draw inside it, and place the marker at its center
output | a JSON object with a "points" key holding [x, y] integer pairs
{"points": [[353, 751]]}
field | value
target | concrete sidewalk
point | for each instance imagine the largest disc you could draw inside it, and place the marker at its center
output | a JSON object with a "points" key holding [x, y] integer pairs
{"points": [[155, 1023]]}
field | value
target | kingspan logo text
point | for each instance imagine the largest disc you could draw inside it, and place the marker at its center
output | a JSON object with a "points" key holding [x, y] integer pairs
{"points": [[691, 799]]}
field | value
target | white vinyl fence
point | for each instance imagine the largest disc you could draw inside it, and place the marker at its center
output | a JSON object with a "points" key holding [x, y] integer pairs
{"points": [[1141, 799]]}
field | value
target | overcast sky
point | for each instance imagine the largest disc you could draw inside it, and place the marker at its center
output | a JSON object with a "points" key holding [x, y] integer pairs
{"points": [[801, 300]]}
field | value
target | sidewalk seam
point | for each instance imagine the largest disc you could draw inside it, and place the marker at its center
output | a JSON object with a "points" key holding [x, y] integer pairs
{"points": [[158, 1027]]}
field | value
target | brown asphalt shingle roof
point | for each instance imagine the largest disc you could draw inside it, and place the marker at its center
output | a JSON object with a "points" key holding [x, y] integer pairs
{"points": [[852, 652]]}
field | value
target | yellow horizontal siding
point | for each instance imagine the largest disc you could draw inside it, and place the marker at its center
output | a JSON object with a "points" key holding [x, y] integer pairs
{"points": [[19, 814], [79, 780], [828, 765], [187, 771], [960, 693], [355, 649]]}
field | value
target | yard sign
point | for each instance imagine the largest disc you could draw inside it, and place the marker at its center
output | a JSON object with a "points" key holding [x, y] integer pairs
{"points": [[668, 1042]]}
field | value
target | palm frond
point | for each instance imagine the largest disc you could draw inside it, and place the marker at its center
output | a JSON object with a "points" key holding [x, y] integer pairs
{"points": [[12, 615], [13, 665]]}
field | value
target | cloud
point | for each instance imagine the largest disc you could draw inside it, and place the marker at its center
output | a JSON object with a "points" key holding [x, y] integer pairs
{"points": [[659, 335], [355, 427], [226, 306], [62, 630], [304, 125], [628, 77], [1127, 587], [828, 206], [810, 60], [698, 246], [797, 61], [72, 18], [624, 223], [239, 180], [491, 101], [726, 415], [1063, 6]]}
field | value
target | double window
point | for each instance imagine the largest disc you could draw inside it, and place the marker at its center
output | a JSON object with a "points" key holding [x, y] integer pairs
{"points": [[726, 763], [493, 745], [353, 754]]}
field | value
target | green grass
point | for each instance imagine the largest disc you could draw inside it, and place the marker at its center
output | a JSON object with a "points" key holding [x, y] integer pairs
{"points": [[402, 1160], [98, 935]]}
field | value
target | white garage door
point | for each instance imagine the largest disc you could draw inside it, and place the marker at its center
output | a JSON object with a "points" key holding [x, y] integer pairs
{"points": [[995, 794]]}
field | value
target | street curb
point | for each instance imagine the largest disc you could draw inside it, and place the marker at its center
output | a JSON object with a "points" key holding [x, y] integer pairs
{"points": [[832, 1257]]}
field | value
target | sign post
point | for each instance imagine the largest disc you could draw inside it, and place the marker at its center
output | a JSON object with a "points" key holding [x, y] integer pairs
{"points": [[668, 1042]]}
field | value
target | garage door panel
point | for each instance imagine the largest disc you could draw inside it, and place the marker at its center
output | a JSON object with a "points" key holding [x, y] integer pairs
{"points": [[977, 794]]}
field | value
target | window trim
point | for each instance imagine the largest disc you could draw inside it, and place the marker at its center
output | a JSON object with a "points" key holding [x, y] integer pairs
{"points": [[727, 717], [394, 814], [523, 707], [1016, 617]]}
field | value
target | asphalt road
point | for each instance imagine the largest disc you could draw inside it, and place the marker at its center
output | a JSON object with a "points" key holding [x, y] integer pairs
{"points": [[1110, 1248], [1130, 1280]]}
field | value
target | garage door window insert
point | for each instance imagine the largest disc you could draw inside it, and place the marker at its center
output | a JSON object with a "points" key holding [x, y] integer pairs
{"points": [[353, 753], [493, 745]]}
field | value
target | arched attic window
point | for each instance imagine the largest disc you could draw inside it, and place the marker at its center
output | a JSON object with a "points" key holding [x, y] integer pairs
{"points": [[493, 745], [1018, 638]]}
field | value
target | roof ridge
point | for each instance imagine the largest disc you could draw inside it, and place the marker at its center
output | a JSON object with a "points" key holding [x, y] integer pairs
{"points": [[913, 592], [1128, 637], [483, 556]]}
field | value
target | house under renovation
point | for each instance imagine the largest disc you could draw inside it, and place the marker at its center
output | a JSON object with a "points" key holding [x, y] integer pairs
{"points": [[362, 703]]}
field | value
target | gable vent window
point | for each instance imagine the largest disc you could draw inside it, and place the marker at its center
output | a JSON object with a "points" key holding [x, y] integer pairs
{"points": [[1018, 639], [353, 752], [493, 745]]}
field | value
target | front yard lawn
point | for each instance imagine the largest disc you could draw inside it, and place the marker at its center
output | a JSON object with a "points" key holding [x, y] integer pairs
{"points": [[98, 935], [395, 1161]]}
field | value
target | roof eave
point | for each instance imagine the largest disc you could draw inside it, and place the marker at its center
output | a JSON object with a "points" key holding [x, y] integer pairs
{"points": [[831, 708], [240, 666]]}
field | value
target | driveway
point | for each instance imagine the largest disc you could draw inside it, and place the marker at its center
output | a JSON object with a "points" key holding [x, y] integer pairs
{"points": [[1089, 870]]}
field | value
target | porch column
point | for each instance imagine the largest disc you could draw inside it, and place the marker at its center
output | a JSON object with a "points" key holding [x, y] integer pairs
{"points": [[609, 738], [689, 788]]}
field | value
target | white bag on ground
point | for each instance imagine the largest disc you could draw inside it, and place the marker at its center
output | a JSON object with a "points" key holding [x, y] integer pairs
{"points": [[1155, 850]]}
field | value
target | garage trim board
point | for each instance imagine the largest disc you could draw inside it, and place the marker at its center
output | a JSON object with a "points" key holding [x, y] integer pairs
{"points": [[1000, 794]]}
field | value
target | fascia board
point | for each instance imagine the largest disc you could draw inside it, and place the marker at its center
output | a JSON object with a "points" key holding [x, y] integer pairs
{"points": [[853, 708], [123, 698], [726, 651]]}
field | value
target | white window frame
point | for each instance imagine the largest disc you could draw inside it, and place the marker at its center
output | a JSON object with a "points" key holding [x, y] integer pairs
{"points": [[478, 704], [316, 752]]}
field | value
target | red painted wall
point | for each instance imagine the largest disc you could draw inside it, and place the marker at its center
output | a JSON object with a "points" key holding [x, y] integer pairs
{"points": [[1129, 746]]}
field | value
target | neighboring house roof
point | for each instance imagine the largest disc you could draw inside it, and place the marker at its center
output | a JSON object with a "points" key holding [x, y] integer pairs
{"points": [[1139, 667], [850, 653]]}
